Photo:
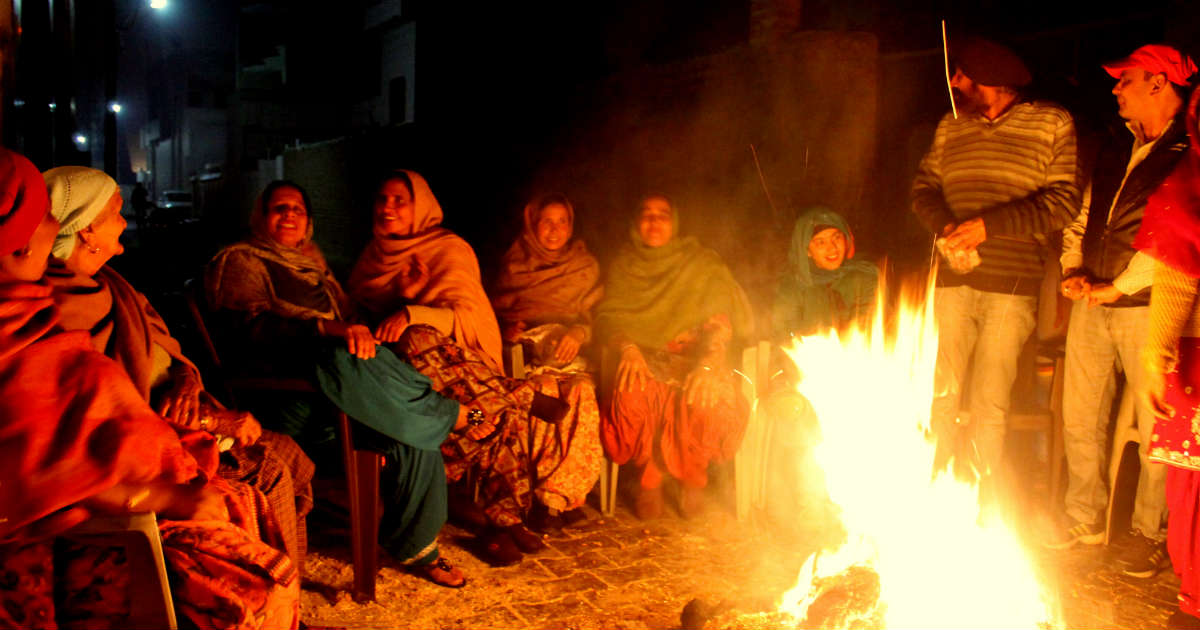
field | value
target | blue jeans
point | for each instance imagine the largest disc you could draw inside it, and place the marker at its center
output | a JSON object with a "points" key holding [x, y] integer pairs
{"points": [[986, 329]]}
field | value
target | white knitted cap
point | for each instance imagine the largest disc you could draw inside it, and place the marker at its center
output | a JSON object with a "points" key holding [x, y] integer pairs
{"points": [[77, 195]]}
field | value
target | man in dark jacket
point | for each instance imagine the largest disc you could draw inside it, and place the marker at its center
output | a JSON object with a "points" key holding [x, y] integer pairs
{"points": [[1110, 282]]}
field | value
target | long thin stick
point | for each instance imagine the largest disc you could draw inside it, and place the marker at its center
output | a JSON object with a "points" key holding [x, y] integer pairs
{"points": [[763, 181], [946, 61]]}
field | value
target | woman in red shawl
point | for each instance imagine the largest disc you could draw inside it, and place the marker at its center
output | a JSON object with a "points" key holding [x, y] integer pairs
{"points": [[76, 440], [419, 283], [544, 295], [93, 297], [1170, 233], [672, 308]]}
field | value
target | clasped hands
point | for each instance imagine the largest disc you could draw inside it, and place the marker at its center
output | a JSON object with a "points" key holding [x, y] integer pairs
{"points": [[965, 236], [1077, 286], [360, 340], [701, 387]]}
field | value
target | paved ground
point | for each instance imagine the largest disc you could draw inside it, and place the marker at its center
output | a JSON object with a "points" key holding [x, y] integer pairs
{"points": [[620, 572]]}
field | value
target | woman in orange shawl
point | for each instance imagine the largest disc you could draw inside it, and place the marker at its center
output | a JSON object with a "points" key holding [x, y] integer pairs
{"points": [[672, 308], [93, 297], [544, 295], [76, 440], [419, 284]]}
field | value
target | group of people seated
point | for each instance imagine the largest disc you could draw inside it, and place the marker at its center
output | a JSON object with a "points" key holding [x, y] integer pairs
{"points": [[104, 414]]}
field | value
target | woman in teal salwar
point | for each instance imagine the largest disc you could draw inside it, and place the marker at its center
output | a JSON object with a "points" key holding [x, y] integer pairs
{"points": [[283, 314]]}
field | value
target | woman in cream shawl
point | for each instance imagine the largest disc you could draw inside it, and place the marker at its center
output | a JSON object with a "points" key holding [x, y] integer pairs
{"points": [[419, 285], [547, 286]]}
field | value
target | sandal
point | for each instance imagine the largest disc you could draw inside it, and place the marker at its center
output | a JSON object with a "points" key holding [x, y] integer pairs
{"points": [[442, 573], [499, 549], [526, 540]]}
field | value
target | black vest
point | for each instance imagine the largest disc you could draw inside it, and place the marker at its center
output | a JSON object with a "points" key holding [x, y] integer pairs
{"points": [[1108, 244]]}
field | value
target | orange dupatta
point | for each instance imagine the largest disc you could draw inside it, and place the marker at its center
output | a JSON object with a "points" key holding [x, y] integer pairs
{"points": [[433, 267]]}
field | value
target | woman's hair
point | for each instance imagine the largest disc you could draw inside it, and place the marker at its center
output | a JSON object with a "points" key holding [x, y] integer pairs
{"points": [[654, 195], [400, 175], [269, 192]]}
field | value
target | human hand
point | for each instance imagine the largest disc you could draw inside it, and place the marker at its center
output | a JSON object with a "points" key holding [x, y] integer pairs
{"points": [[1154, 387], [701, 386], [632, 369], [180, 405], [392, 328], [239, 425], [1103, 294], [1075, 286], [513, 330], [967, 235], [569, 344]]}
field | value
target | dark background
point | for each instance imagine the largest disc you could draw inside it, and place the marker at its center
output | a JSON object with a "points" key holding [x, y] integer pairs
{"points": [[603, 101]]}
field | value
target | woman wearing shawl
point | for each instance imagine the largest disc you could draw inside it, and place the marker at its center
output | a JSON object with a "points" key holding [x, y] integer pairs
{"points": [[823, 286], [544, 295], [672, 308], [1170, 233], [285, 312], [93, 297], [77, 439], [419, 284]]}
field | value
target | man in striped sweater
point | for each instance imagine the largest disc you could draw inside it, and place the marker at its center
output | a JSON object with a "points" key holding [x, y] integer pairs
{"points": [[997, 178], [1110, 282]]}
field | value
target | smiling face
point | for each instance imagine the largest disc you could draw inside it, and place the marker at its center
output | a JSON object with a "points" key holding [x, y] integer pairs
{"points": [[553, 229], [394, 208], [287, 216], [827, 249], [106, 230], [29, 264], [654, 222]]}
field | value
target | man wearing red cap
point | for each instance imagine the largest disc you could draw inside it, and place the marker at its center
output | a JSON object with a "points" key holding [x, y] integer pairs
{"points": [[1110, 282], [998, 176]]}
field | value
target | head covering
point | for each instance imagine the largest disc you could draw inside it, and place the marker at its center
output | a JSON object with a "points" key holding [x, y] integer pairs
{"points": [[305, 262], [432, 266], [808, 297], [1170, 231], [23, 201], [989, 63], [537, 285], [1156, 58], [77, 195], [654, 293]]}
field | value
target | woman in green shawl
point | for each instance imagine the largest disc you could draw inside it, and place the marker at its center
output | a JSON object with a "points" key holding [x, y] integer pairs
{"points": [[823, 286], [671, 309]]}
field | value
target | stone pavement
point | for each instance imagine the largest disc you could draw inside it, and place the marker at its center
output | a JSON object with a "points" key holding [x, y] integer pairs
{"points": [[620, 572]]}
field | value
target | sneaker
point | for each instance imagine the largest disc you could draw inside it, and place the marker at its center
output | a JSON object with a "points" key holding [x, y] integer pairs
{"points": [[1153, 559], [1088, 534]]}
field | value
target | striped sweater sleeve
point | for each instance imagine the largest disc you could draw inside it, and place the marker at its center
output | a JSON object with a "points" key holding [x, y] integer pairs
{"points": [[928, 198]]}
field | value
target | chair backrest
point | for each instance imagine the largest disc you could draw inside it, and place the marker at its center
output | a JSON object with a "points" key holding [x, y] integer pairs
{"points": [[193, 293], [150, 592], [514, 360]]}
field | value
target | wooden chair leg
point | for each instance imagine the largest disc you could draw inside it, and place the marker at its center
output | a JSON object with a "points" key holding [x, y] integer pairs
{"points": [[362, 485], [608, 487]]}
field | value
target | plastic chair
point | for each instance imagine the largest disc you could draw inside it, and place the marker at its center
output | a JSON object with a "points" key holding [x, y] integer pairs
{"points": [[152, 608], [1124, 433], [362, 465], [749, 463]]}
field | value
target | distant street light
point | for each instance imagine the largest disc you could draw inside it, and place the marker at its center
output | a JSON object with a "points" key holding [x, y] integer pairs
{"points": [[158, 4], [81, 141], [114, 107]]}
